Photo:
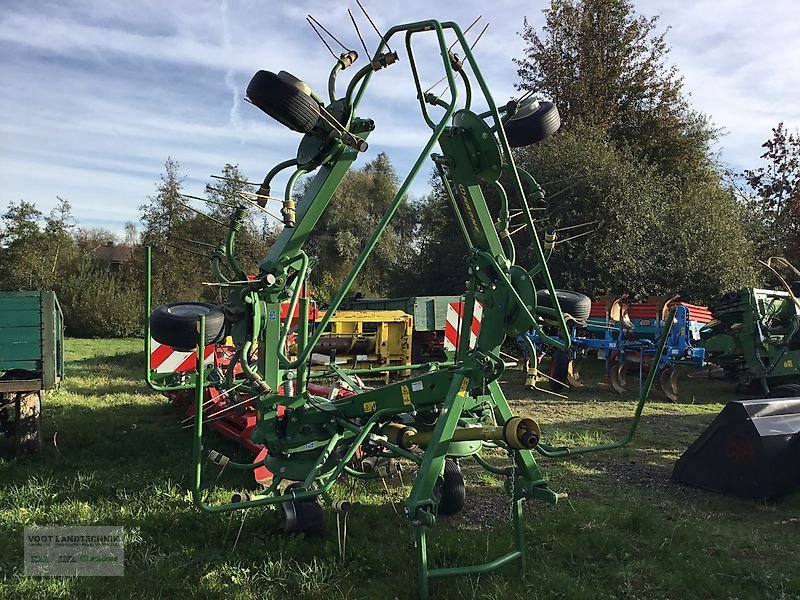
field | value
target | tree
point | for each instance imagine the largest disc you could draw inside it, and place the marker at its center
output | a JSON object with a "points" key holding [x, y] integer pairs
{"points": [[57, 238], [131, 234], [23, 263], [165, 211], [351, 218], [777, 186], [439, 267], [650, 237], [20, 222], [598, 60], [223, 195], [165, 218]]}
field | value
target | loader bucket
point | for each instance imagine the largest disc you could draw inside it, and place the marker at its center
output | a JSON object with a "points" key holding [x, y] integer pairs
{"points": [[751, 450]]}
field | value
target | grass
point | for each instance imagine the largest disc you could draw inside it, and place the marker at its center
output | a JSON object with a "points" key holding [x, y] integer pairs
{"points": [[115, 455]]}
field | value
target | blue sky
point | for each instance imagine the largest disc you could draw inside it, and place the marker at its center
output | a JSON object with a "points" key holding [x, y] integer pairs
{"points": [[96, 94]]}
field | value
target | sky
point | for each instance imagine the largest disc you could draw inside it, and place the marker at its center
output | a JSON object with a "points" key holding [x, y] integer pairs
{"points": [[97, 94]]}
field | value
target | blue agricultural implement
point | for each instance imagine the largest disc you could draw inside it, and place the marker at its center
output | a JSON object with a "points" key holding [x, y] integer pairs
{"points": [[626, 337]]}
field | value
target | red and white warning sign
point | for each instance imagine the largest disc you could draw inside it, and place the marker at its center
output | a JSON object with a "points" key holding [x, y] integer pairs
{"points": [[165, 359], [452, 327]]}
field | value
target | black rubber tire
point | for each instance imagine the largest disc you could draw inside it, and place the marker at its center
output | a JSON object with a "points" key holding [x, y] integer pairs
{"points": [[285, 101], [175, 324], [559, 368], [576, 304], [452, 490], [303, 518], [28, 423], [534, 122], [788, 390]]}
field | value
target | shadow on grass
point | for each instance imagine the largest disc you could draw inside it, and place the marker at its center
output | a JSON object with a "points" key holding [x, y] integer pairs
{"points": [[125, 364], [691, 390], [106, 471]]}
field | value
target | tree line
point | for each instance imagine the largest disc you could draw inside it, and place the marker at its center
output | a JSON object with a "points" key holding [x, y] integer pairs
{"points": [[632, 163]]}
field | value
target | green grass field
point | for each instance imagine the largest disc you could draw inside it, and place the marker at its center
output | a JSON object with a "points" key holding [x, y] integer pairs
{"points": [[116, 455]]}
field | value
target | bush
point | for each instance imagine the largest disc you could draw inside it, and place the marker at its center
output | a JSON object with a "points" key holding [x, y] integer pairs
{"points": [[99, 303]]}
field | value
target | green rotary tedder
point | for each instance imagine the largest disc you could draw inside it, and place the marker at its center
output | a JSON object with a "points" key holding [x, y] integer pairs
{"points": [[445, 412], [755, 334]]}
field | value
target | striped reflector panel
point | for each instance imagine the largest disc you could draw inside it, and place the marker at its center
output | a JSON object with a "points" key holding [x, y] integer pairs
{"points": [[452, 326], [165, 359]]}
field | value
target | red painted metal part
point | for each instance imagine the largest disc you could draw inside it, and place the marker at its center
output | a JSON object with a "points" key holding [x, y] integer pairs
{"points": [[648, 310], [238, 423]]}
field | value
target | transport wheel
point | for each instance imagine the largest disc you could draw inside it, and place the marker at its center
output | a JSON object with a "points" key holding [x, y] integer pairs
{"points": [[533, 122], [575, 304], [28, 407], [175, 324], [559, 371], [450, 489], [303, 518], [788, 390], [284, 98]]}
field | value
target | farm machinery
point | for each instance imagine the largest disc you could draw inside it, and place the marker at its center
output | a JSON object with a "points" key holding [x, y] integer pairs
{"points": [[31, 363], [625, 336], [317, 426], [752, 448], [755, 334]]}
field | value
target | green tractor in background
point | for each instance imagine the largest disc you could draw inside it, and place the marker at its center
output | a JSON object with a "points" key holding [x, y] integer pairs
{"points": [[755, 335]]}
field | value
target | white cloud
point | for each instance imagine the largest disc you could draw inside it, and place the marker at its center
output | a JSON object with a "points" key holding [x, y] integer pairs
{"points": [[98, 94]]}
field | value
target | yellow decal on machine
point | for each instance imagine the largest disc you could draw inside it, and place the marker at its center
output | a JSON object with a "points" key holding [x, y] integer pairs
{"points": [[370, 407], [462, 391], [788, 364], [406, 394]]}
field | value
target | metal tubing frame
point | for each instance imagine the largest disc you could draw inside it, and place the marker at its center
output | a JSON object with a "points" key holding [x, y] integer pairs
{"points": [[551, 452], [470, 368]]}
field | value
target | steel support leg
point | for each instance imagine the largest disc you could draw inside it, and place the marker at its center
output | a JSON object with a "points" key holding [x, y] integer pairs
{"points": [[421, 543]]}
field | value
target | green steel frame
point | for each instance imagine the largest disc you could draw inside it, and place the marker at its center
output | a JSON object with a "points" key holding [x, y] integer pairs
{"points": [[316, 439]]}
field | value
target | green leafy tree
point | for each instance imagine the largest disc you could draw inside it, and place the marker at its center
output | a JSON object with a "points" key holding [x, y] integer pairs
{"points": [[20, 222], [164, 219], [439, 267], [600, 61], [648, 237], [777, 187], [350, 220], [23, 260], [254, 235], [60, 247]]}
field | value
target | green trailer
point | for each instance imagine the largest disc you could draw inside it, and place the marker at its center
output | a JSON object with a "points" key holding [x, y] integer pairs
{"points": [[430, 316], [31, 362]]}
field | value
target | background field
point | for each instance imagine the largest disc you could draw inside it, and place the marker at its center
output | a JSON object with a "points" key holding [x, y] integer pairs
{"points": [[115, 455]]}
